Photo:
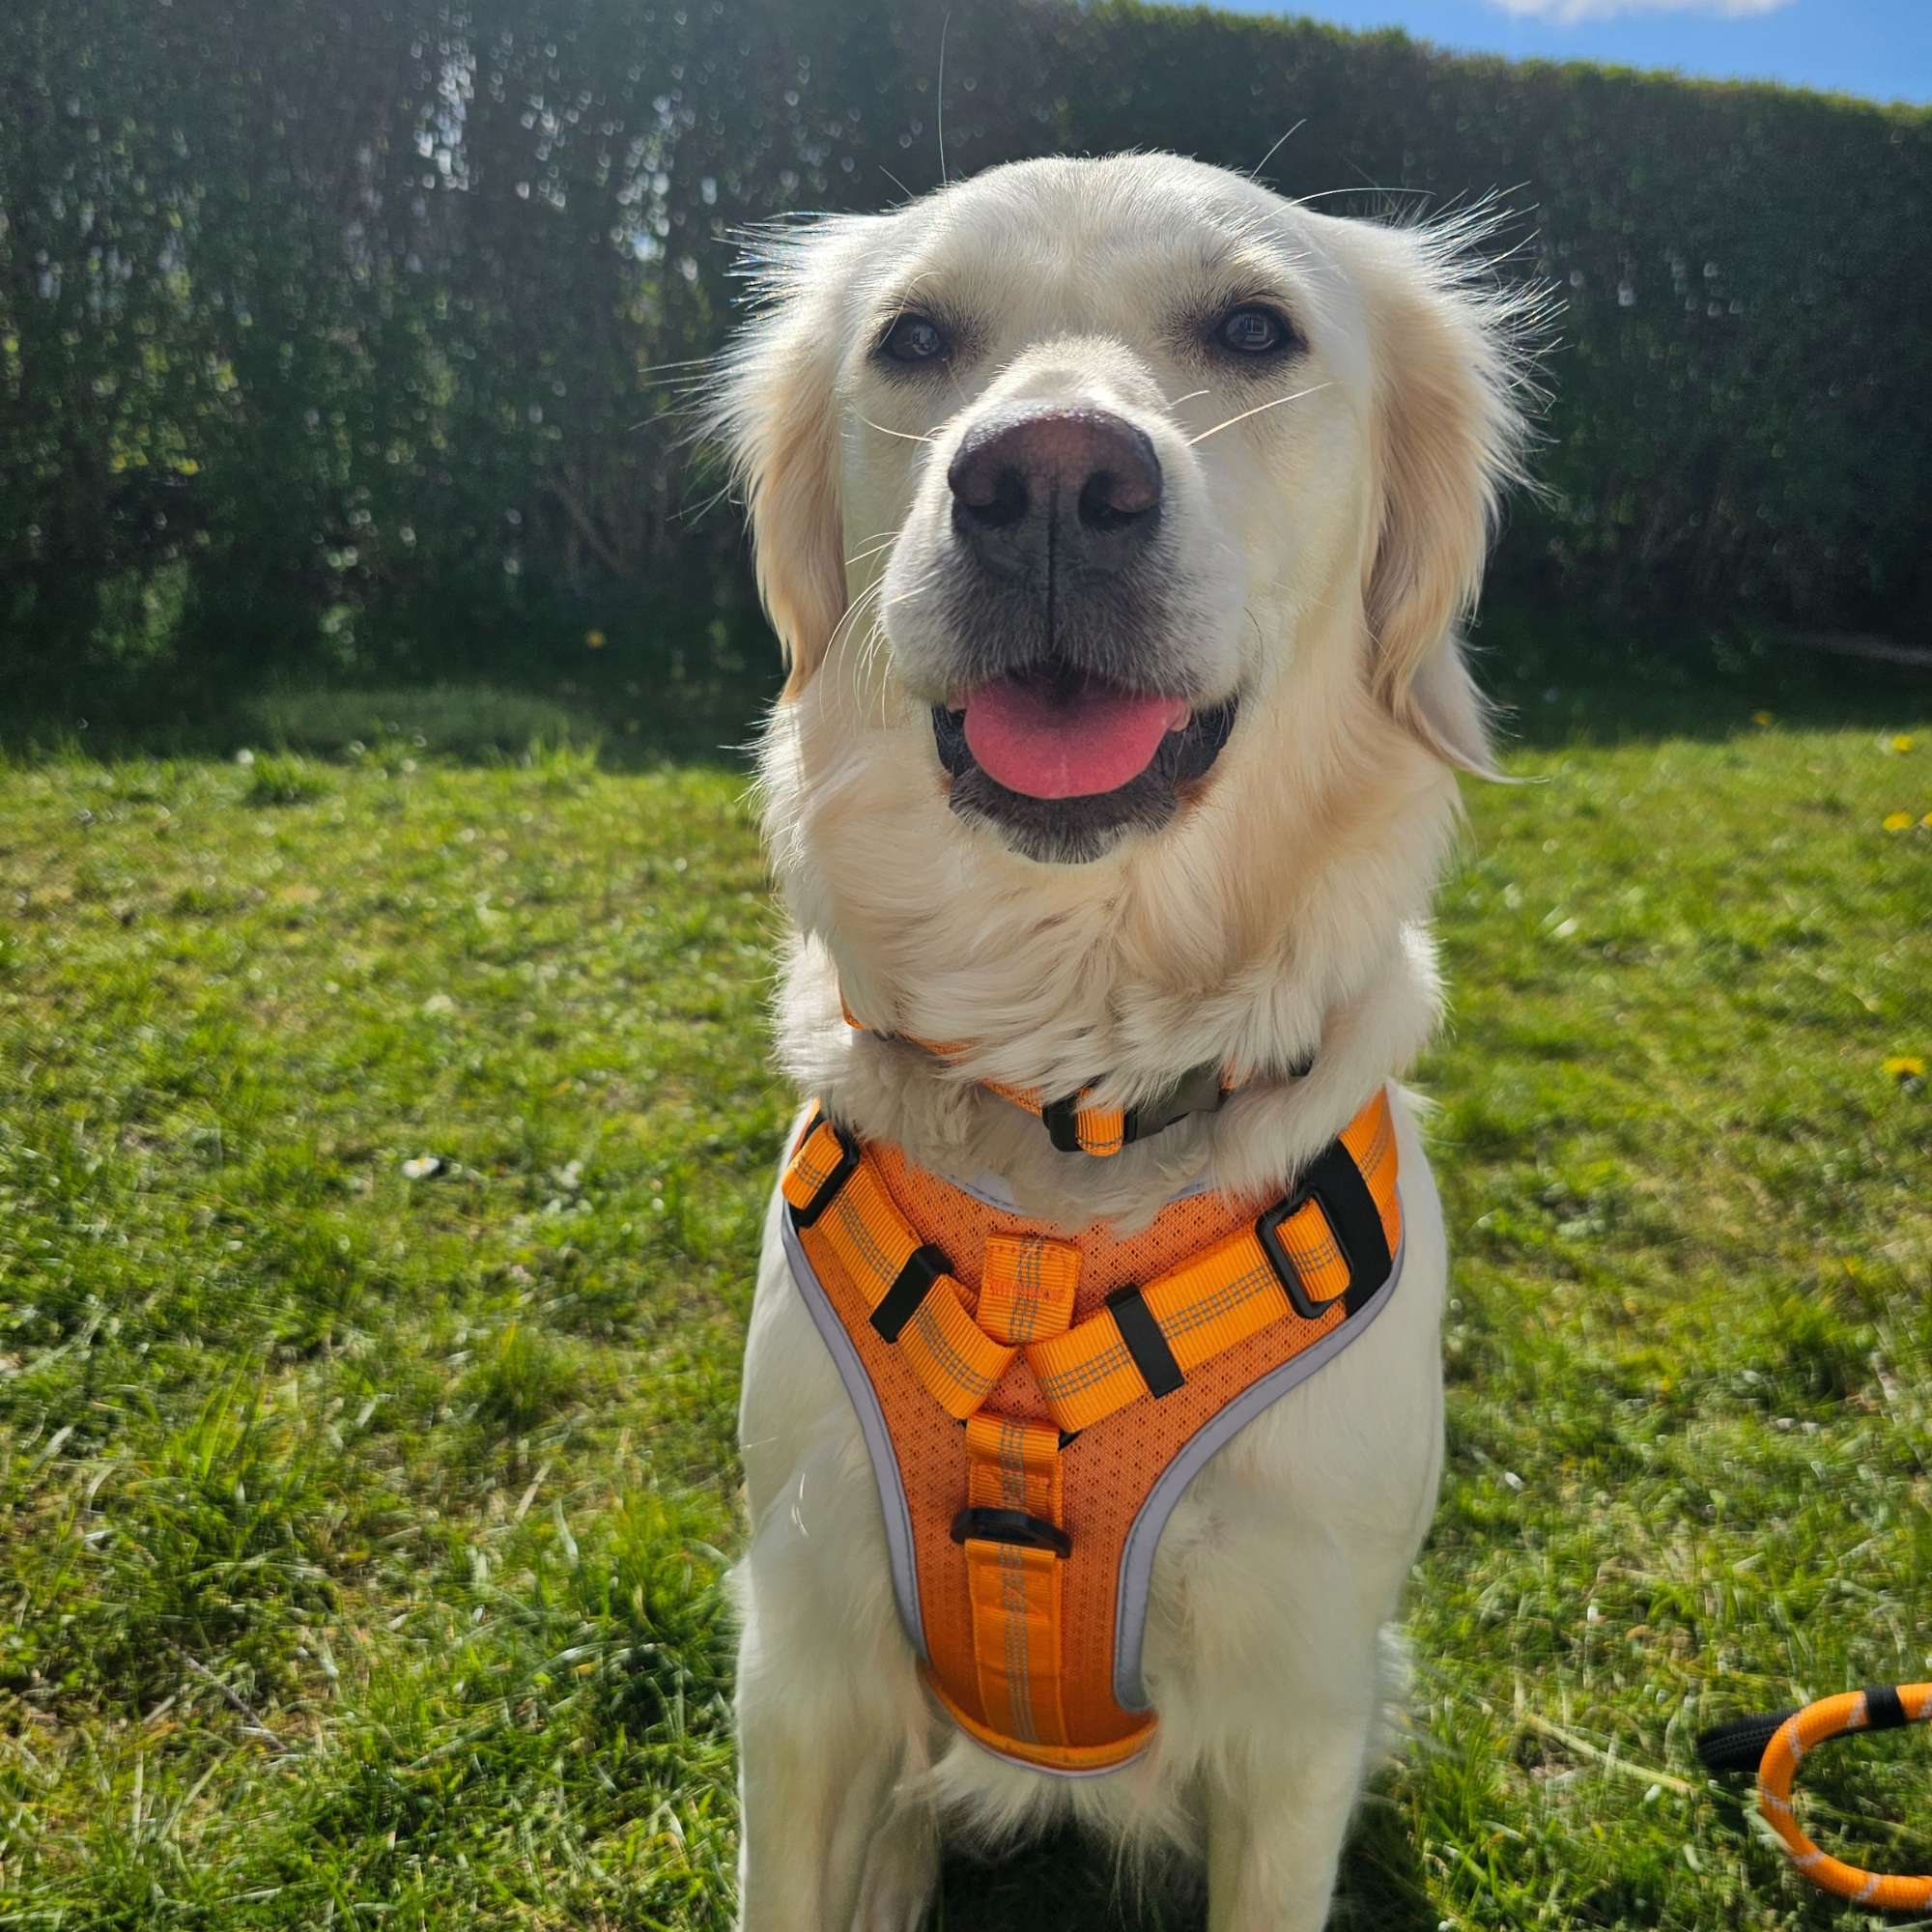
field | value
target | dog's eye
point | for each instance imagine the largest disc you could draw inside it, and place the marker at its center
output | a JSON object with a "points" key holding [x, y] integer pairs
{"points": [[1253, 331], [914, 338]]}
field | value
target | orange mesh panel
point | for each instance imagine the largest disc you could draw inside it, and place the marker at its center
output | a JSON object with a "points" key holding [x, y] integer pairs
{"points": [[1831, 1717], [1105, 1474], [1026, 1287]]}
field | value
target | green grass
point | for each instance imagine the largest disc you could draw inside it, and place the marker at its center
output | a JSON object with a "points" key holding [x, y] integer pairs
{"points": [[382, 1141]]}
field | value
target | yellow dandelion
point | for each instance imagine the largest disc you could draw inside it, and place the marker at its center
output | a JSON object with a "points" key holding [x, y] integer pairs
{"points": [[1906, 1066], [1899, 821], [1926, 821], [1761, 718], [594, 639], [1903, 742]]}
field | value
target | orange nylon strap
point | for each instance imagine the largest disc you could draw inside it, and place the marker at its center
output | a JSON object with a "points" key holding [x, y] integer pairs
{"points": [[951, 1354], [1017, 1627], [1026, 1287], [1221, 1298], [1089, 1372], [1806, 1729]]}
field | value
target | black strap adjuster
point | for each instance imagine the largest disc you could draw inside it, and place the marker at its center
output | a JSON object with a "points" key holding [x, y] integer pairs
{"points": [[1335, 1184], [910, 1287], [1015, 1527], [1060, 1120], [827, 1190], [1141, 1337]]}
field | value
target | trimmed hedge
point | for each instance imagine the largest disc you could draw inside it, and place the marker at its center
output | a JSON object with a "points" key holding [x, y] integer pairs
{"points": [[336, 335]]}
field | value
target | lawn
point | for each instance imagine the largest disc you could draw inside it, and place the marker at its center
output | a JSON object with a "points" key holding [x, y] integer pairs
{"points": [[382, 1137]]}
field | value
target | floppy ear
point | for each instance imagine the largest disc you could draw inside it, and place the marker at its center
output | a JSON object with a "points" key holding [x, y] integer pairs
{"points": [[772, 408], [1448, 435]]}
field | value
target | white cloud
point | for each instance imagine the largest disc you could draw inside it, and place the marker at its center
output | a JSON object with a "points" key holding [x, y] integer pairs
{"points": [[1568, 13]]}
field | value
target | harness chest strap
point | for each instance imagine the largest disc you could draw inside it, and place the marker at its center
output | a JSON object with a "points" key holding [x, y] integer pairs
{"points": [[1021, 1542]]}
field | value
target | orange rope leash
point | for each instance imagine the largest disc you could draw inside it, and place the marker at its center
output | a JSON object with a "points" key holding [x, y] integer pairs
{"points": [[1786, 1738]]}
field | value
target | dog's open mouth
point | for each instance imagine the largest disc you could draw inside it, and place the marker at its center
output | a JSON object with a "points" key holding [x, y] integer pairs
{"points": [[1064, 763]]}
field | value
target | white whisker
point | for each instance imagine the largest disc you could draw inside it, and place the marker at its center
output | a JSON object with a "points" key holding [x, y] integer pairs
{"points": [[1254, 173], [904, 435], [1228, 422]]}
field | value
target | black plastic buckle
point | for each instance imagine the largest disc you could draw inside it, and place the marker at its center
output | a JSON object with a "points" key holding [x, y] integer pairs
{"points": [[1335, 1184], [828, 1189], [1198, 1091], [1015, 1527]]}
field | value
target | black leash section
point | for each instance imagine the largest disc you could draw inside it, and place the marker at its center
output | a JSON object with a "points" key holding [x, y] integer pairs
{"points": [[1740, 1745]]}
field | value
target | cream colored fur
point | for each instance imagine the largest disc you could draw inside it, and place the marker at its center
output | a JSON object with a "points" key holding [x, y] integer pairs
{"points": [[1329, 547]]}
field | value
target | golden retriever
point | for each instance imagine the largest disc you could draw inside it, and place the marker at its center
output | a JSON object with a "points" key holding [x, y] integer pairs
{"points": [[1118, 519]]}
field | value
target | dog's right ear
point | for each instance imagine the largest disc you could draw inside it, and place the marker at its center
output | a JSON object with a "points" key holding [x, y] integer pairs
{"points": [[774, 410]]}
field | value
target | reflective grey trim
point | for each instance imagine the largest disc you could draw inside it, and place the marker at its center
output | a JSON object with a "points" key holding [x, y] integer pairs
{"points": [[1144, 1537], [990, 1191], [1043, 1770], [892, 1503]]}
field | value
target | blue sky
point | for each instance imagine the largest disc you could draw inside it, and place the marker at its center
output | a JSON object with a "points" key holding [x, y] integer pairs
{"points": [[1877, 47]]}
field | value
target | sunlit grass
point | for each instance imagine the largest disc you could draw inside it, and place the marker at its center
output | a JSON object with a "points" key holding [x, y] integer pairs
{"points": [[381, 1152]]}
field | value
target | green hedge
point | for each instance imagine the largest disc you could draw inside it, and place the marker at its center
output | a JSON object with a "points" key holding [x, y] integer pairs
{"points": [[335, 337]]}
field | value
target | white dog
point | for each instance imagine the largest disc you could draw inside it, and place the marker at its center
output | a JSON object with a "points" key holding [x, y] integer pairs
{"points": [[1118, 518]]}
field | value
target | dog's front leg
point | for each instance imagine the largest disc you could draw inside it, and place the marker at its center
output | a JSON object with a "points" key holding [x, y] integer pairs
{"points": [[1279, 1804], [810, 1808], [830, 1718], [826, 1727]]}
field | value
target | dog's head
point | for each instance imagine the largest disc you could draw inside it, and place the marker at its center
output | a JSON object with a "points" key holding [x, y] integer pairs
{"points": [[1080, 473]]}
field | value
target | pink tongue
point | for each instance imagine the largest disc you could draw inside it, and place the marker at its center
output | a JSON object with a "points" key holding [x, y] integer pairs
{"points": [[1032, 739]]}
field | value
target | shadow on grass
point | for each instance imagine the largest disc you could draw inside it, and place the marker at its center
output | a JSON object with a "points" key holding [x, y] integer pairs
{"points": [[1557, 680], [629, 725], [1070, 1883]]}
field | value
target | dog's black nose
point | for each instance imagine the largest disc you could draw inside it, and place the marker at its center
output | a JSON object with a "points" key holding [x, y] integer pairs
{"points": [[1078, 488]]}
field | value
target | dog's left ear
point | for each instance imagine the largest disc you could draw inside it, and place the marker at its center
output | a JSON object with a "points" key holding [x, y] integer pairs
{"points": [[1447, 437], [774, 410]]}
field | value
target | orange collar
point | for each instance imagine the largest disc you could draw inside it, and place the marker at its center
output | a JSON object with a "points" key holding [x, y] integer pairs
{"points": [[1072, 1122]]}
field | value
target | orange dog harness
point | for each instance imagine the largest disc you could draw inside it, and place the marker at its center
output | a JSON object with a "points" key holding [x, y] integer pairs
{"points": [[1036, 1406]]}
